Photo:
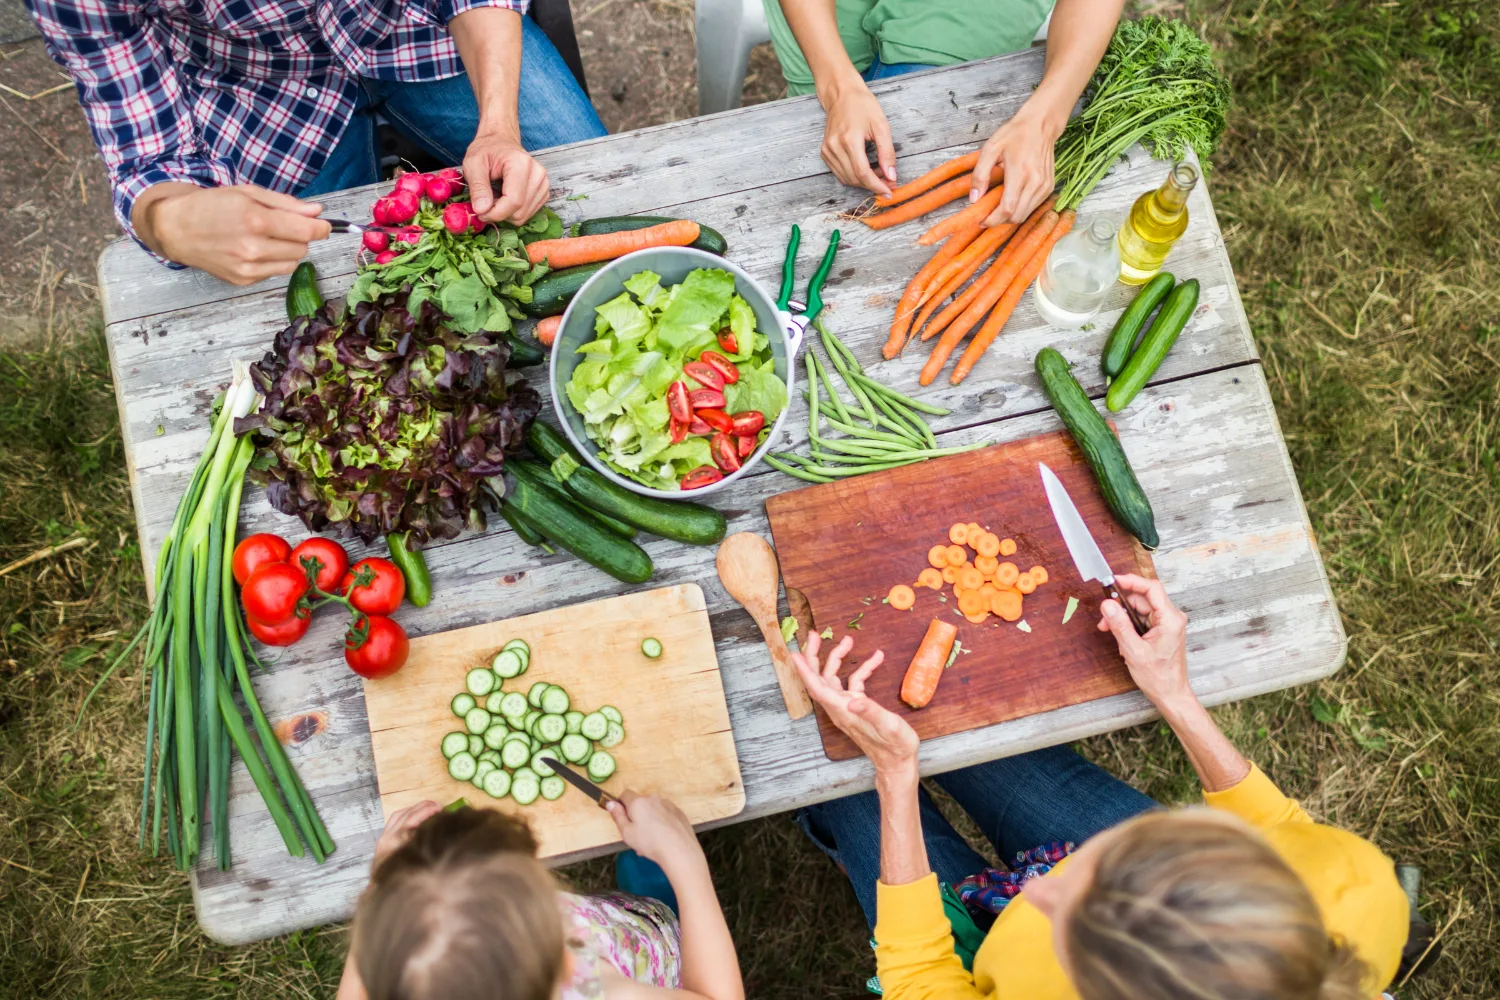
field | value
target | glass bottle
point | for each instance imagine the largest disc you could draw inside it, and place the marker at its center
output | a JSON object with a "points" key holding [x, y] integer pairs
{"points": [[1155, 222], [1078, 275]]}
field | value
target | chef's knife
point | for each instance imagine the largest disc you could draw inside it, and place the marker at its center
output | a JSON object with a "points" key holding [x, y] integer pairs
{"points": [[578, 781], [1082, 547]]}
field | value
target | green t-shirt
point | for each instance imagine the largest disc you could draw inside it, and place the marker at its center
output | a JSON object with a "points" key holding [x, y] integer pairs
{"points": [[931, 32]]}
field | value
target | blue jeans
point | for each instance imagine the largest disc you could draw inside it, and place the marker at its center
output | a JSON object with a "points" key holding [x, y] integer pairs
{"points": [[878, 70], [442, 116], [1019, 802]]}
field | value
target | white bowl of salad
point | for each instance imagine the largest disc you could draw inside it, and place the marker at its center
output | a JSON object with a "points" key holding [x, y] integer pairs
{"points": [[671, 372]]}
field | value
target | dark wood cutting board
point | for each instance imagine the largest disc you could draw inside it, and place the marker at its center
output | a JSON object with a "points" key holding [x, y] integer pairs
{"points": [[842, 543]]}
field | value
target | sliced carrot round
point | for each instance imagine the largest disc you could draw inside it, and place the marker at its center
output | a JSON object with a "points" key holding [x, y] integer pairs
{"points": [[1039, 574], [957, 555], [971, 603], [938, 556], [978, 619], [958, 534], [902, 597], [988, 545], [930, 577], [975, 533], [1025, 584], [1007, 546], [1007, 604], [970, 578], [1005, 574], [987, 565], [950, 574], [989, 590]]}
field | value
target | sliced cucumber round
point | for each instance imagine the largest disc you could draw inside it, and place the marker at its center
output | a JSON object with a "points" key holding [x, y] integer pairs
{"points": [[651, 647], [493, 756], [508, 663], [540, 761], [455, 743], [495, 735], [612, 714], [534, 694], [601, 765], [493, 700], [553, 788], [520, 646], [614, 735], [515, 753], [461, 703], [476, 745], [531, 717], [513, 705], [480, 681], [481, 768], [525, 786], [497, 784], [461, 766], [594, 725], [551, 728], [575, 748], [555, 701], [574, 719], [477, 720]]}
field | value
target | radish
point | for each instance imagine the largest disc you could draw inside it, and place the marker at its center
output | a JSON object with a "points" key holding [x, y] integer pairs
{"points": [[452, 175], [410, 234], [404, 205], [381, 211], [412, 182], [376, 241], [459, 217], [386, 256], [439, 189]]}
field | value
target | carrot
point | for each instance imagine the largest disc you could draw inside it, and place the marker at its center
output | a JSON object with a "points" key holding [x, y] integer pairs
{"points": [[997, 280], [975, 533], [954, 309], [970, 578], [958, 533], [546, 330], [570, 251], [1006, 604], [1039, 574], [1025, 584], [920, 205], [988, 545], [930, 577], [1007, 546], [937, 556], [973, 215], [950, 574], [956, 554], [931, 179], [1005, 575], [915, 292], [1012, 297], [979, 250], [986, 565], [978, 619], [902, 597], [926, 669]]}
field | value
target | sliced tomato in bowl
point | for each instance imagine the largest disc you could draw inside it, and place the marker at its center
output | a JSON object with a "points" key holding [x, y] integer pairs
{"points": [[703, 475], [717, 419], [745, 444], [678, 403], [748, 422], [707, 399], [729, 341], [726, 453], [727, 369], [704, 374]]}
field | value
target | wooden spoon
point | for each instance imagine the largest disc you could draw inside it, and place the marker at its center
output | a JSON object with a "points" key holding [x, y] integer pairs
{"points": [[748, 570]]}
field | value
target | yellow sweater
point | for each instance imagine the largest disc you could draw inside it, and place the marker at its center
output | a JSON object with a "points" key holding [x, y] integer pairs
{"points": [[1354, 885]]}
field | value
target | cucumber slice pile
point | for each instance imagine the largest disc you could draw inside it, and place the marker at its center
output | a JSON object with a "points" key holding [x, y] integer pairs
{"points": [[507, 736]]}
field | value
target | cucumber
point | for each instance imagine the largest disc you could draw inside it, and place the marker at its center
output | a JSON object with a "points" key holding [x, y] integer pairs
{"points": [[621, 559], [555, 701], [614, 735], [461, 766], [551, 293], [493, 756], [481, 681], [493, 701], [477, 720], [601, 765], [476, 745], [679, 520], [534, 695], [575, 748], [497, 784], [508, 663], [574, 719], [521, 648], [481, 768], [515, 753], [494, 736], [513, 704], [461, 703], [1173, 316], [594, 726], [523, 353], [551, 728], [525, 786], [539, 761], [1122, 338], [553, 787], [523, 531], [455, 743], [708, 239], [651, 648], [547, 481], [302, 295], [1122, 493], [612, 714]]}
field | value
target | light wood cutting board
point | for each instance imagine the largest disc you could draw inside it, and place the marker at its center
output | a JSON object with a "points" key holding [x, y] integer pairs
{"points": [[678, 741], [843, 545]]}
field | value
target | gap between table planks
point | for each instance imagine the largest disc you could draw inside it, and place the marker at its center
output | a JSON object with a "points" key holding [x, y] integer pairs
{"points": [[678, 741]]}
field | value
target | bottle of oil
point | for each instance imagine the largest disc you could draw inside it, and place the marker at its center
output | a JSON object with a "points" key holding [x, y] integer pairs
{"points": [[1155, 222]]}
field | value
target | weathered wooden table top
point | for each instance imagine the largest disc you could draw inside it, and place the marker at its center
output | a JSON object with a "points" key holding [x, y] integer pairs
{"points": [[1237, 551]]}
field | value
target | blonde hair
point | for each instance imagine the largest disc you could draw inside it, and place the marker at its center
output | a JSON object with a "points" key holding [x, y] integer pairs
{"points": [[1195, 905], [462, 911]]}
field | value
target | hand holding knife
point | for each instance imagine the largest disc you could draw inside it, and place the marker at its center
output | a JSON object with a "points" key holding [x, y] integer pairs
{"points": [[578, 781], [1082, 547]]}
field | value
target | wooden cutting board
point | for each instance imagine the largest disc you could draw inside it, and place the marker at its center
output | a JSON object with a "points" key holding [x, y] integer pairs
{"points": [[678, 741], [843, 545]]}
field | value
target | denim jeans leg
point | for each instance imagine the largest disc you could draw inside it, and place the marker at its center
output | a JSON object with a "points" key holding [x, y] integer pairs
{"points": [[442, 116], [1033, 798], [353, 161], [848, 831], [883, 71]]}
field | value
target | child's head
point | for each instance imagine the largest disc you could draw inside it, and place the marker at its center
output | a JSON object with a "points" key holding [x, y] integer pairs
{"points": [[462, 911]]}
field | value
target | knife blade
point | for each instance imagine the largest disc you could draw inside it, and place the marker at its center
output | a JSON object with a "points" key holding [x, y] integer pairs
{"points": [[578, 781], [1081, 545], [345, 226]]}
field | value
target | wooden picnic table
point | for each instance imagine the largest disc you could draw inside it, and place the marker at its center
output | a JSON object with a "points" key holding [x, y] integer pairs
{"points": [[1237, 551]]}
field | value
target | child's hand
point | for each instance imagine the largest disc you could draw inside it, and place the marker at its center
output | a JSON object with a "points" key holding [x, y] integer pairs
{"points": [[399, 827], [655, 828]]}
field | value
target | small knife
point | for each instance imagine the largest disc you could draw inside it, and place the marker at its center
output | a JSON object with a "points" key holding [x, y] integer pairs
{"points": [[578, 781], [1082, 547], [345, 226]]}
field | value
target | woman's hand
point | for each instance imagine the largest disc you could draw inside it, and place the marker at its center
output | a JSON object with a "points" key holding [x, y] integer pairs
{"points": [[885, 737], [1158, 659], [399, 827], [655, 828], [242, 234], [1023, 146], [855, 117]]}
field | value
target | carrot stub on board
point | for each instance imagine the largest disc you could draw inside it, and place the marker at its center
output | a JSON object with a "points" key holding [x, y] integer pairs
{"points": [[926, 669]]}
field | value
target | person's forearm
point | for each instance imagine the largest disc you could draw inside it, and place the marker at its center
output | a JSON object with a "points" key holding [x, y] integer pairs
{"points": [[710, 967], [489, 43], [351, 987], [816, 27], [1219, 764], [903, 853], [144, 214], [1076, 39]]}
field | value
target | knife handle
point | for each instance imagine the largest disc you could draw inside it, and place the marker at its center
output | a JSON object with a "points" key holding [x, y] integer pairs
{"points": [[1141, 625]]}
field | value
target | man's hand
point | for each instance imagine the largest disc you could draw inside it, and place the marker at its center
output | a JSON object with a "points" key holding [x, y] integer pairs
{"points": [[499, 156], [242, 234], [399, 827], [1023, 146], [1158, 659], [855, 116], [885, 737], [655, 828]]}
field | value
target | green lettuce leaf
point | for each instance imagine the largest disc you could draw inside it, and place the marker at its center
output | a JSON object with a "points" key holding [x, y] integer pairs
{"points": [[691, 319], [757, 389]]}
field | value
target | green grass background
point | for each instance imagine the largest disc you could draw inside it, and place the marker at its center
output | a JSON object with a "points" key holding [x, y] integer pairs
{"points": [[1359, 198]]}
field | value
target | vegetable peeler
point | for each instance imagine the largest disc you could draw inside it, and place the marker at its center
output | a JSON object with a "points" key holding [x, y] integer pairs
{"points": [[796, 316]]}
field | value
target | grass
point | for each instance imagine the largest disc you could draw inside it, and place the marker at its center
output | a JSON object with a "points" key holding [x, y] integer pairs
{"points": [[1357, 195]]}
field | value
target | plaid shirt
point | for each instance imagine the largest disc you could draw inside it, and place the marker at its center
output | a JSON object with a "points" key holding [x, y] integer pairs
{"points": [[215, 92]]}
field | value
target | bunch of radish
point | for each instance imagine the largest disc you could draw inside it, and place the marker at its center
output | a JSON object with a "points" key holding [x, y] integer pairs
{"points": [[398, 213]]}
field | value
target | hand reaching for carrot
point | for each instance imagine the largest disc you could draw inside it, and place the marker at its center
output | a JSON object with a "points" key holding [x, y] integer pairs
{"points": [[1023, 148], [855, 117], [885, 737]]}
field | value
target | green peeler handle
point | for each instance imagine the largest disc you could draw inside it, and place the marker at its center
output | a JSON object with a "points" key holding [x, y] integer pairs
{"points": [[789, 268], [815, 286]]}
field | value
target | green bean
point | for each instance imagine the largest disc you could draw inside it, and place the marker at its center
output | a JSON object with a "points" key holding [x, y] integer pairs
{"points": [[795, 472], [833, 397], [857, 448], [898, 397], [865, 432]]}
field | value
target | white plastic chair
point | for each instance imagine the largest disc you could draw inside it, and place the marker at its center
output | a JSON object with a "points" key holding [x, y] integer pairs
{"points": [[727, 30]]}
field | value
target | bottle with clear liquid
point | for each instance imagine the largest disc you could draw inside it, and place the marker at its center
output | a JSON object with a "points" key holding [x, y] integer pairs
{"points": [[1155, 222], [1078, 275]]}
